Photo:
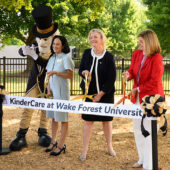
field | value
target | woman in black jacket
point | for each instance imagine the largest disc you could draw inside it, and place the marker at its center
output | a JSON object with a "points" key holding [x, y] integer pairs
{"points": [[98, 64]]}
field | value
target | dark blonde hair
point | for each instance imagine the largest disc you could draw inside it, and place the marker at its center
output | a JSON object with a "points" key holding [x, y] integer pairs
{"points": [[151, 42], [103, 37]]}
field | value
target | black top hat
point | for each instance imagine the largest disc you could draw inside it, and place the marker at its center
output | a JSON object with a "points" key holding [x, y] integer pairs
{"points": [[43, 18]]}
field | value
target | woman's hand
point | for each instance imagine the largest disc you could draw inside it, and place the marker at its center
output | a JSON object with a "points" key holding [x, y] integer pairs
{"points": [[86, 73], [133, 93], [126, 75], [50, 73], [98, 97]]}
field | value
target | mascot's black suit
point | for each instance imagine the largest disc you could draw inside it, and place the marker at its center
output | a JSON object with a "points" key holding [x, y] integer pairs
{"points": [[44, 31]]}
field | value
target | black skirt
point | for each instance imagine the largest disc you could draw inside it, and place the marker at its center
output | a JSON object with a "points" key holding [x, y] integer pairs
{"points": [[105, 99]]}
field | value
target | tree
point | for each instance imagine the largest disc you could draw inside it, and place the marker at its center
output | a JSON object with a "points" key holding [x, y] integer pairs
{"points": [[159, 17], [16, 25], [18, 4], [122, 21], [8, 4], [73, 17]]}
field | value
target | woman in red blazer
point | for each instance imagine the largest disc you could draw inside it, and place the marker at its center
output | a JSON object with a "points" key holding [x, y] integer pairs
{"points": [[146, 70]]}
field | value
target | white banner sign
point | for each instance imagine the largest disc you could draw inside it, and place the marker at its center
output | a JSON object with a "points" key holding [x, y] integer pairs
{"points": [[102, 109]]}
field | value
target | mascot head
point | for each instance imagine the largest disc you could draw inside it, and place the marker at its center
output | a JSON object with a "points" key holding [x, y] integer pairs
{"points": [[45, 28]]}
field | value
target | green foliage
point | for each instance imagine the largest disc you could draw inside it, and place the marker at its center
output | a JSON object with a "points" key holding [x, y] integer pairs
{"points": [[15, 24], [15, 4], [159, 16], [9, 41], [122, 21], [75, 18]]}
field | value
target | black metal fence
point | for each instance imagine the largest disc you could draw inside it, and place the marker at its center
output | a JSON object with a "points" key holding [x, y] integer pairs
{"points": [[14, 74]]}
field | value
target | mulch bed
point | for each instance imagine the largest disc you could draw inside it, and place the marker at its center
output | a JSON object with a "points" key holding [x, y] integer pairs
{"points": [[34, 156]]}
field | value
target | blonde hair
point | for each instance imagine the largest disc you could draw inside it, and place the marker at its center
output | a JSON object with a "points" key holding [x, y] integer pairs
{"points": [[151, 42], [103, 37]]}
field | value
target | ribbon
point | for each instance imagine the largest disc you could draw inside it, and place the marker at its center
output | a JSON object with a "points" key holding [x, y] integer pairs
{"points": [[77, 107], [154, 106], [83, 97]]}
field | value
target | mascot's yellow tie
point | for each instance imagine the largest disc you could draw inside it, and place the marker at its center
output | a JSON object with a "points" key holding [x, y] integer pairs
{"points": [[83, 97]]}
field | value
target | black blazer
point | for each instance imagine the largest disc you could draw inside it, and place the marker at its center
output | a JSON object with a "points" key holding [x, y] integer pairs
{"points": [[106, 71], [37, 74]]}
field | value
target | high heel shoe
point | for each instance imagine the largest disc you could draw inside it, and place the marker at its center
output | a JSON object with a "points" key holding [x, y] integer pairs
{"points": [[137, 165], [58, 153], [113, 153], [82, 159], [53, 146]]}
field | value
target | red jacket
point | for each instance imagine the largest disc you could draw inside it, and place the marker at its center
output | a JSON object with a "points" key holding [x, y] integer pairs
{"points": [[150, 77]]}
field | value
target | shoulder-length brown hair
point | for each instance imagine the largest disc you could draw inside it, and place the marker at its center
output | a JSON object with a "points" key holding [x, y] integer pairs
{"points": [[66, 48], [151, 42]]}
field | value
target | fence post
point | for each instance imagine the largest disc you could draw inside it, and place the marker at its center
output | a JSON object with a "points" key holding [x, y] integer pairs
{"points": [[123, 68], [71, 90], [154, 145], [3, 151], [4, 65]]}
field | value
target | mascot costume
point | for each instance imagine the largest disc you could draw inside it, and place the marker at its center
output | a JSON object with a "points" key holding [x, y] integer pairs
{"points": [[44, 31]]}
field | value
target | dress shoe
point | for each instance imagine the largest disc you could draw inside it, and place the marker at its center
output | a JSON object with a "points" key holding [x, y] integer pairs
{"points": [[113, 153], [51, 148], [81, 158], [137, 165], [58, 153]]}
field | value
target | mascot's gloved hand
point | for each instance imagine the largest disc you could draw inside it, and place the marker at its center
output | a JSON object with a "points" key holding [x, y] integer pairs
{"points": [[27, 50]]}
